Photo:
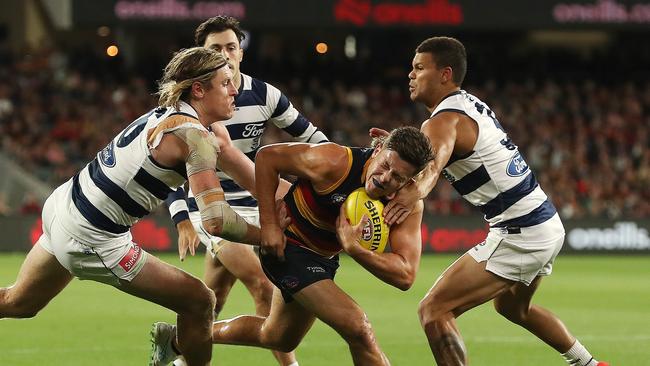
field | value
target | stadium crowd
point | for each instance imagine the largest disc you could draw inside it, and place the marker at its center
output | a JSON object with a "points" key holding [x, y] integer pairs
{"points": [[588, 141]]}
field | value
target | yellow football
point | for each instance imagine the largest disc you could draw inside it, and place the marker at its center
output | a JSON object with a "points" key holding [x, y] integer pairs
{"points": [[375, 233]]}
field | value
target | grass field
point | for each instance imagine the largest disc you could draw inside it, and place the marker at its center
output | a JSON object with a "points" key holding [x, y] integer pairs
{"points": [[604, 300]]}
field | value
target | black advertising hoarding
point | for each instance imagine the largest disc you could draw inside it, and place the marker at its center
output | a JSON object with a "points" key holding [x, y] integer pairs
{"points": [[461, 14], [439, 234]]}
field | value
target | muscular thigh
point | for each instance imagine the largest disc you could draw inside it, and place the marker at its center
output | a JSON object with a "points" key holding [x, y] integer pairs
{"points": [[165, 285], [288, 321], [331, 305], [465, 285]]}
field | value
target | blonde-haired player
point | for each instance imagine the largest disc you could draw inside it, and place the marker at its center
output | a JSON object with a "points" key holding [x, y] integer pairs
{"points": [[86, 220]]}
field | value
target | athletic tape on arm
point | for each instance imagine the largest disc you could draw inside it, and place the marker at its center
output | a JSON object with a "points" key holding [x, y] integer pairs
{"points": [[212, 205], [203, 149]]}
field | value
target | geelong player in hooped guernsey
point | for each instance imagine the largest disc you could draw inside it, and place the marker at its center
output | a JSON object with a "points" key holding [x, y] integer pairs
{"points": [[86, 220], [475, 154]]}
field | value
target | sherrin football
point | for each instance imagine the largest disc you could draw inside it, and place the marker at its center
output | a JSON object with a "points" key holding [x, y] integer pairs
{"points": [[375, 233]]}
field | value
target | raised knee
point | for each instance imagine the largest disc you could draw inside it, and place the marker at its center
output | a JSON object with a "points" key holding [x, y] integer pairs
{"points": [[428, 310], [202, 301]]}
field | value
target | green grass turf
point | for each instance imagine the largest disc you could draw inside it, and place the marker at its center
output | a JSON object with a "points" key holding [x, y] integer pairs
{"points": [[604, 300]]}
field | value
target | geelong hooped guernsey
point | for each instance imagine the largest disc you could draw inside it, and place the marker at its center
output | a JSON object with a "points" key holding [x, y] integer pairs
{"points": [[124, 183], [494, 176], [258, 104], [313, 213]]}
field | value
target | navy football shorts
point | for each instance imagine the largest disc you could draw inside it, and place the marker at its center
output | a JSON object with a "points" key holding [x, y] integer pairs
{"points": [[301, 267]]}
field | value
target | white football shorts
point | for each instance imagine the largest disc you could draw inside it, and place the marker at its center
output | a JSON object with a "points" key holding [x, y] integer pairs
{"points": [[110, 262], [214, 243], [521, 256]]}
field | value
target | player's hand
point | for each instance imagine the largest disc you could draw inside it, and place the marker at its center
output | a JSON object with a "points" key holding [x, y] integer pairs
{"points": [[349, 235], [273, 241], [378, 132], [187, 239], [398, 208]]}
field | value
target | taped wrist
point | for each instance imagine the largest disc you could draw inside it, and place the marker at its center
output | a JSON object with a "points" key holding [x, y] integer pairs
{"points": [[212, 205], [203, 149]]}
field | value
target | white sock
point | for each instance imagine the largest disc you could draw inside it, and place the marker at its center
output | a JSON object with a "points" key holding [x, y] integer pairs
{"points": [[294, 364], [578, 355], [179, 362]]}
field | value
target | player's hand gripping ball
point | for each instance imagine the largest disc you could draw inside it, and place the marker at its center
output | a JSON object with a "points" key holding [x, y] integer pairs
{"points": [[375, 233]]}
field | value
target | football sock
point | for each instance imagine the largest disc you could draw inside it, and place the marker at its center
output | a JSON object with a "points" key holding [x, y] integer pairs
{"points": [[578, 355], [294, 364]]}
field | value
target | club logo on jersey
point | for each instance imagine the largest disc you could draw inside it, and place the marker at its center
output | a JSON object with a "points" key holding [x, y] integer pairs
{"points": [[253, 130], [338, 198], [517, 166], [107, 156]]}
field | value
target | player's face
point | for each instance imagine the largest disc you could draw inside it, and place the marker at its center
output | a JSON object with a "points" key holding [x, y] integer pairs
{"points": [[387, 173], [227, 43], [424, 79], [219, 99]]}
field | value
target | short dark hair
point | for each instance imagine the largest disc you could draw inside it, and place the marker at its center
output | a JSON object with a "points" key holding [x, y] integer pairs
{"points": [[412, 146], [217, 24], [447, 52]]}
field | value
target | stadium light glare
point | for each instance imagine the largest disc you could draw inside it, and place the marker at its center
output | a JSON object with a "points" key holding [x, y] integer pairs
{"points": [[112, 50], [103, 31], [350, 48], [321, 48]]}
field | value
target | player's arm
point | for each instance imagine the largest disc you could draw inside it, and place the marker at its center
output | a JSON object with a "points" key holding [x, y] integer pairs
{"points": [[441, 131], [397, 268], [198, 150], [237, 165], [321, 164], [179, 212]]}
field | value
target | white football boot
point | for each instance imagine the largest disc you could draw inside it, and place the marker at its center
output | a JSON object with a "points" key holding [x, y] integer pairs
{"points": [[162, 335]]}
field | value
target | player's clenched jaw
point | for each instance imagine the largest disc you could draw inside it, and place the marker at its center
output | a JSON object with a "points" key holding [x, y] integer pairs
{"points": [[387, 173]]}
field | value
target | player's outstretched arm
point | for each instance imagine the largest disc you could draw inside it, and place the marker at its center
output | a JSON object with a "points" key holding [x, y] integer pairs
{"points": [[321, 164], [441, 131], [397, 268]]}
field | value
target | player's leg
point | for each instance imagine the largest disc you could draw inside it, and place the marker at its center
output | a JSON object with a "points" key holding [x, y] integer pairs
{"points": [[464, 285], [218, 278], [282, 330], [184, 294], [240, 261], [338, 310], [40, 278]]}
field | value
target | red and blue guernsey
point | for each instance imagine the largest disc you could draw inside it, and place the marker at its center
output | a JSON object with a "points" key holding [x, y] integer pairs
{"points": [[313, 213]]}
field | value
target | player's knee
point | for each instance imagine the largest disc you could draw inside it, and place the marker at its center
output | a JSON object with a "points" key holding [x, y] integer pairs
{"points": [[202, 301], [510, 311], [428, 310], [359, 333], [220, 301], [278, 341], [262, 290], [20, 307]]}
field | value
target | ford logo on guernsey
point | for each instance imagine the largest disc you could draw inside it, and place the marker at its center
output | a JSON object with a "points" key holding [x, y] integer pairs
{"points": [[107, 156], [517, 166]]}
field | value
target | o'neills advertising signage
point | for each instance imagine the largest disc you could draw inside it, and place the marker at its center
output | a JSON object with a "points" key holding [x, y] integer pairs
{"points": [[439, 234], [621, 235]]}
